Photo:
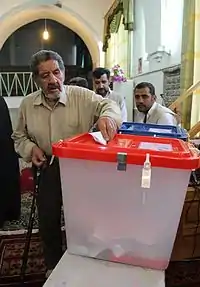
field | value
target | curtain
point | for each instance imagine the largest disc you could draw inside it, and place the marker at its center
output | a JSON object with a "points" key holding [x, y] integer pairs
{"points": [[187, 58], [110, 20], [128, 12], [118, 35], [117, 51], [190, 62], [195, 113]]}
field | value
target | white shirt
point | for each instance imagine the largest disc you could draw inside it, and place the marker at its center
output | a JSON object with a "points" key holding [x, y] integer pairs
{"points": [[156, 115], [120, 101]]}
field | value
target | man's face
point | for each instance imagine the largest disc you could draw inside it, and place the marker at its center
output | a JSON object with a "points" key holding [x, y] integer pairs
{"points": [[144, 100], [102, 85], [50, 79]]}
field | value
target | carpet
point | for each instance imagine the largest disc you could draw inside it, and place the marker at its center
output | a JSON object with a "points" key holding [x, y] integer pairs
{"points": [[13, 236], [178, 274], [12, 241], [11, 250], [183, 274]]}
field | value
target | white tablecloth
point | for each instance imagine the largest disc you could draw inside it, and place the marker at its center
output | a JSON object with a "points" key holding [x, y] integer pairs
{"points": [[76, 271]]}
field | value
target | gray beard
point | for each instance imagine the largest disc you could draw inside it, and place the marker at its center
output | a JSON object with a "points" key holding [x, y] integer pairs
{"points": [[52, 97]]}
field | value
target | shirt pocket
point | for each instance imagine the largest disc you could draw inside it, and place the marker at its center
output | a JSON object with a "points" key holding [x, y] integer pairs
{"points": [[71, 126], [37, 125]]}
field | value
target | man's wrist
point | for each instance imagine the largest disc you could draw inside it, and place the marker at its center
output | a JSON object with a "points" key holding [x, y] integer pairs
{"points": [[110, 118]]}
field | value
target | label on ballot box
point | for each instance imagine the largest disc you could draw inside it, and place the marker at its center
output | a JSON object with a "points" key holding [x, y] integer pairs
{"points": [[165, 131], [155, 146]]}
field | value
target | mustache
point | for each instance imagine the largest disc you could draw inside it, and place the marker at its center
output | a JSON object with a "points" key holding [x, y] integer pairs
{"points": [[101, 90], [54, 86], [140, 105]]}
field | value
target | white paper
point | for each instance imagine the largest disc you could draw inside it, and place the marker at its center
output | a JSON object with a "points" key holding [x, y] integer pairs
{"points": [[164, 131], [97, 136], [155, 146]]}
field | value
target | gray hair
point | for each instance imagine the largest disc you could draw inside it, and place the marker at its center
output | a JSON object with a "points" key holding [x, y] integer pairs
{"points": [[43, 56]]}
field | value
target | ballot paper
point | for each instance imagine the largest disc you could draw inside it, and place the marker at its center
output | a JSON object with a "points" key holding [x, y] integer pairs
{"points": [[97, 136]]}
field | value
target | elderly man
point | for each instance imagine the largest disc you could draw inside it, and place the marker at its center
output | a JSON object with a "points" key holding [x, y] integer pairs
{"points": [[56, 112]]}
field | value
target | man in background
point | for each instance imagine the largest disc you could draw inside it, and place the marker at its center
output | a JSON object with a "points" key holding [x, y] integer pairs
{"points": [[101, 78], [147, 110], [79, 82]]}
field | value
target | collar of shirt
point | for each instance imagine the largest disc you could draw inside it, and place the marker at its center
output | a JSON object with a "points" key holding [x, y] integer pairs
{"points": [[108, 93], [151, 110], [142, 115], [39, 99]]}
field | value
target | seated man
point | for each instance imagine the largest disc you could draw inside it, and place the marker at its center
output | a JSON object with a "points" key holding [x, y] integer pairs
{"points": [[147, 110]]}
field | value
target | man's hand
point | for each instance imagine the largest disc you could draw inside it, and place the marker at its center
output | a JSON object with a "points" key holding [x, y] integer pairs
{"points": [[38, 157], [107, 127]]}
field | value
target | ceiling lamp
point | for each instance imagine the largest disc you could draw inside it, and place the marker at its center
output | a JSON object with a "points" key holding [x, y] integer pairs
{"points": [[45, 33]]}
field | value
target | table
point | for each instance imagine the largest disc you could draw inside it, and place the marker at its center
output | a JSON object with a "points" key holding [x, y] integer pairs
{"points": [[77, 271]]}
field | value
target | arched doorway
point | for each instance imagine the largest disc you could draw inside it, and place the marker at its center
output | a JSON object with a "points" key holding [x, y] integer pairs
{"points": [[22, 44], [15, 75], [28, 13], [31, 11]]}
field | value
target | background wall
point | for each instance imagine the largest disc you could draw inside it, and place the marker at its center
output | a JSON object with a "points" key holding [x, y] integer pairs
{"points": [[89, 12], [157, 23], [86, 18], [156, 78]]}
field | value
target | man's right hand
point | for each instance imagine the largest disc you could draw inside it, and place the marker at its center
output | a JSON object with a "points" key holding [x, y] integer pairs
{"points": [[38, 157]]}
